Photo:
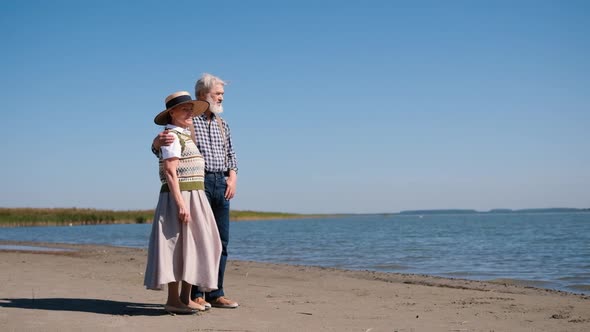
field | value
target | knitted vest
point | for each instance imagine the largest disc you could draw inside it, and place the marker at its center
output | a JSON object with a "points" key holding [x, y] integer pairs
{"points": [[191, 166]]}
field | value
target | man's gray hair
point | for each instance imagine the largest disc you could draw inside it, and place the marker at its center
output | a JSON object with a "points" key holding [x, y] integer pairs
{"points": [[206, 83]]}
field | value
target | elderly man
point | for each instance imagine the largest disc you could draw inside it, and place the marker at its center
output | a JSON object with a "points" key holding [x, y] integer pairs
{"points": [[214, 141]]}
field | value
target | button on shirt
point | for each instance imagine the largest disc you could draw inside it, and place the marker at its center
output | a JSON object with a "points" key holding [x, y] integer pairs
{"points": [[219, 155]]}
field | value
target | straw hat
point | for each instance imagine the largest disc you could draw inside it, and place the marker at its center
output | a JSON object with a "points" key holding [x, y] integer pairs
{"points": [[179, 98]]}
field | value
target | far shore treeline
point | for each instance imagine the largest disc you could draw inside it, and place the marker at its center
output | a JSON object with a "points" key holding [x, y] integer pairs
{"points": [[493, 211], [15, 217], [12, 217]]}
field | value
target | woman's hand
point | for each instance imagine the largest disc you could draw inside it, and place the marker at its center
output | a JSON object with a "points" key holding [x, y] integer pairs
{"points": [[184, 215]]}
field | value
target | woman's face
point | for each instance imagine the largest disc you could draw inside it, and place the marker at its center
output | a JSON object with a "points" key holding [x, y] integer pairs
{"points": [[182, 115]]}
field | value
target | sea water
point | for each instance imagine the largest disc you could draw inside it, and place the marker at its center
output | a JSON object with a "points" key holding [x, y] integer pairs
{"points": [[548, 250]]}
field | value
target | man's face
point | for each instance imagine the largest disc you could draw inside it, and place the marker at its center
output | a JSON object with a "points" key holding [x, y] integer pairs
{"points": [[215, 98]]}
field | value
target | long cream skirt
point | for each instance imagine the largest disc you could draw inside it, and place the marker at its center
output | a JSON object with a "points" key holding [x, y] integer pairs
{"points": [[178, 251]]}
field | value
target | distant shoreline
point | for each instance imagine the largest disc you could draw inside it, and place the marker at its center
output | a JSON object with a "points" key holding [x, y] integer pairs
{"points": [[492, 211], [28, 217], [128, 222]]}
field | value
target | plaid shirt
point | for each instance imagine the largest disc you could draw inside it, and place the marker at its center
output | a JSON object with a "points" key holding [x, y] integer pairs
{"points": [[210, 143]]}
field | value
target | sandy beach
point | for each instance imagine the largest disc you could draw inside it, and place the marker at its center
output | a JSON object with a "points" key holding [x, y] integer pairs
{"points": [[99, 288]]}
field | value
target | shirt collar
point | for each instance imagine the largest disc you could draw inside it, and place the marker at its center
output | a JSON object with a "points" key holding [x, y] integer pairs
{"points": [[178, 129], [205, 117]]}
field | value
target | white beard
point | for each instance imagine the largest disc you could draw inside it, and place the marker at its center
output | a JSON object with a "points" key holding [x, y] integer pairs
{"points": [[215, 109]]}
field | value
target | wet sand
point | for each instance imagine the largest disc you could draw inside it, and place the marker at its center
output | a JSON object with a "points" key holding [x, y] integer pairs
{"points": [[100, 288]]}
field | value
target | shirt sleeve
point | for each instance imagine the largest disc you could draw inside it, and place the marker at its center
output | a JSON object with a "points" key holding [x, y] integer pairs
{"points": [[173, 150], [231, 154]]}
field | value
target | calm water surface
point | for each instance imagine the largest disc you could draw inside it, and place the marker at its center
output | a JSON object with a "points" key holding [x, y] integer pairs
{"points": [[544, 250]]}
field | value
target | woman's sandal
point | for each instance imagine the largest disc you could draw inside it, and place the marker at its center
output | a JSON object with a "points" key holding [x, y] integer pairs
{"points": [[179, 310]]}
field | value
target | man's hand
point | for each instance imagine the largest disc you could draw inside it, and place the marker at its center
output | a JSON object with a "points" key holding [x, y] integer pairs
{"points": [[231, 181], [163, 138]]}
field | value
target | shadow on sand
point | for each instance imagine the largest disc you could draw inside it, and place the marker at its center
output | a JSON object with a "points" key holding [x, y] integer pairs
{"points": [[106, 307]]}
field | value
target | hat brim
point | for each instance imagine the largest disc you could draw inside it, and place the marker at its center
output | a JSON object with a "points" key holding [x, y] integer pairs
{"points": [[199, 107]]}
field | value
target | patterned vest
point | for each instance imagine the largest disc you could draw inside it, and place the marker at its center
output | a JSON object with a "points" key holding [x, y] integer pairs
{"points": [[191, 166]]}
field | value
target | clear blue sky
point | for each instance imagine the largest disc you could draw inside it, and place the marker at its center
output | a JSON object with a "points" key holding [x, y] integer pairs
{"points": [[340, 106]]}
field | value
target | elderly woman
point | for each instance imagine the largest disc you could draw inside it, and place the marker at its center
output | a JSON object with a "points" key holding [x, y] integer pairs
{"points": [[184, 243]]}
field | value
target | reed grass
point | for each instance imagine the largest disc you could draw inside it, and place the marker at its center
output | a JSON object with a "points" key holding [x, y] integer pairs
{"points": [[10, 217]]}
